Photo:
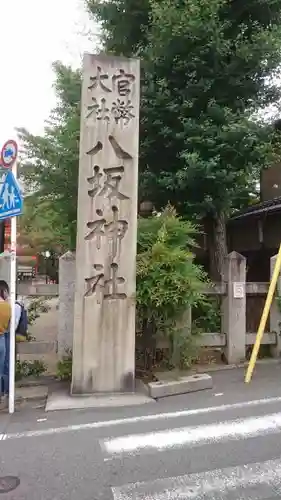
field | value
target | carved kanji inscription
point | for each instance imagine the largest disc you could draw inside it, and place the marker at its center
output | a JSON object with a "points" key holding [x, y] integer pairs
{"points": [[95, 283], [106, 182], [100, 80], [98, 110], [122, 111], [114, 230], [106, 185], [113, 283], [123, 81], [108, 288]]}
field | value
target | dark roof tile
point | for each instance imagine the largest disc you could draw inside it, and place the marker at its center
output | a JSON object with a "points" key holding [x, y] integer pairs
{"points": [[257, 208]]}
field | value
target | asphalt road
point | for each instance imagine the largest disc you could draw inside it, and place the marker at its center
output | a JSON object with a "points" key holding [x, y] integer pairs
{"points": [[217, 445]]}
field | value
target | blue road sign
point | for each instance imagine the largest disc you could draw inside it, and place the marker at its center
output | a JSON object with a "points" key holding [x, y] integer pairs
{"points": [[11, 201]]}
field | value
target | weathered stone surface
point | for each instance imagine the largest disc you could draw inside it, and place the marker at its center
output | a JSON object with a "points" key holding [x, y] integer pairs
{"points": [[234, 308], [36, 347], [64, 401], [104, 312], [182, 385], [5, 267], [28, 289], [67, 274]]}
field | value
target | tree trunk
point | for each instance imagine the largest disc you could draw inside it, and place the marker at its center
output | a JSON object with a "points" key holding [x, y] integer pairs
{"points": [[217, 246]]}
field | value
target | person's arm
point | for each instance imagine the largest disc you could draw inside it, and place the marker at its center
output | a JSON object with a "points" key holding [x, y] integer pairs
{"points": [[9, 318], [17, 315]]}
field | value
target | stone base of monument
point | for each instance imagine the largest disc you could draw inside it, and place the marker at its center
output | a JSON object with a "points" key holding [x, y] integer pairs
{"points": [[63, 400], [180, 385], [145, 393]]}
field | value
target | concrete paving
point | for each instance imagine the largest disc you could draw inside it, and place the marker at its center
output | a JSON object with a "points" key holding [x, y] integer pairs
{"points": [[32, 392], [219, 444], [62, 400], [45, 329]]}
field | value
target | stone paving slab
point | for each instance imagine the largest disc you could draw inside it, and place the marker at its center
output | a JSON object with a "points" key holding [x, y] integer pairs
{"points": [[62, 400], [32, 392], [36, 347]]}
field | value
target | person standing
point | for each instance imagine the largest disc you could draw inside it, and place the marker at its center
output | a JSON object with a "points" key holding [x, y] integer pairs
{"points": [[5, 316], [6, 377]]}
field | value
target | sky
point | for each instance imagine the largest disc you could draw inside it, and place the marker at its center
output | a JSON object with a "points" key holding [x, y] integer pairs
{"points": [[33, 34]]}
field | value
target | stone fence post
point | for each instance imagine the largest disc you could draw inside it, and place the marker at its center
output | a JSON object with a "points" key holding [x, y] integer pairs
{"points": [[234, 308], [184, 325], [275, 313], [67, 270], [5, 267]]}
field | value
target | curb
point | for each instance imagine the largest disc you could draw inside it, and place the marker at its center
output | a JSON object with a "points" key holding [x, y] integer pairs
{"points": [[34, 382], [34, 393], [218, 368], [182, 385]]}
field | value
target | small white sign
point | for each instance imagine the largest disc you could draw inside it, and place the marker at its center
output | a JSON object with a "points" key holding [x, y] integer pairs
{"points": [[238, 290]]}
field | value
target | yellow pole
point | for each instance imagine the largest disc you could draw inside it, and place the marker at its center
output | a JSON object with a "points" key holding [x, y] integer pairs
{"points": [[264, 316]]}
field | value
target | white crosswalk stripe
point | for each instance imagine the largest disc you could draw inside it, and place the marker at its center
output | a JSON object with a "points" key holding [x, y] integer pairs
{"points": [[195, 435], [252, 481]]}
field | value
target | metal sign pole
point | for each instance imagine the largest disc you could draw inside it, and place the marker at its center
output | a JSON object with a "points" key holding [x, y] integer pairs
{"points": [[13, 282], [11, 205]]}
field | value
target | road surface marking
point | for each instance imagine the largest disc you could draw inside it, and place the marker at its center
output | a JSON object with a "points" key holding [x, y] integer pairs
{"points": [[142, 418], [194, 435], [252, 481]]}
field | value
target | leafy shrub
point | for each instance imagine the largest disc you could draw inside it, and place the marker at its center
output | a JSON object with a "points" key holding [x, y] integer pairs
{"points": [[168, 280], [64, 367], [26, 369], [206, 316], [36, 307]]}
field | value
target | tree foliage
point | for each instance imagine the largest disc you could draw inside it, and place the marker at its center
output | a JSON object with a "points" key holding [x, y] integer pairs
{"points": [[206, 72], [37, 229], [50, 162], [124, 24], [207, 67]]}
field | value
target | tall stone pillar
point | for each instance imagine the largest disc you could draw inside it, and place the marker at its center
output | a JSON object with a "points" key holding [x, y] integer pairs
{"points": [[104, 311]]}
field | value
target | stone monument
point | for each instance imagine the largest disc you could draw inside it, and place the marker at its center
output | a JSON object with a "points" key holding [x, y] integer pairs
{"points": [[104, 309]]}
